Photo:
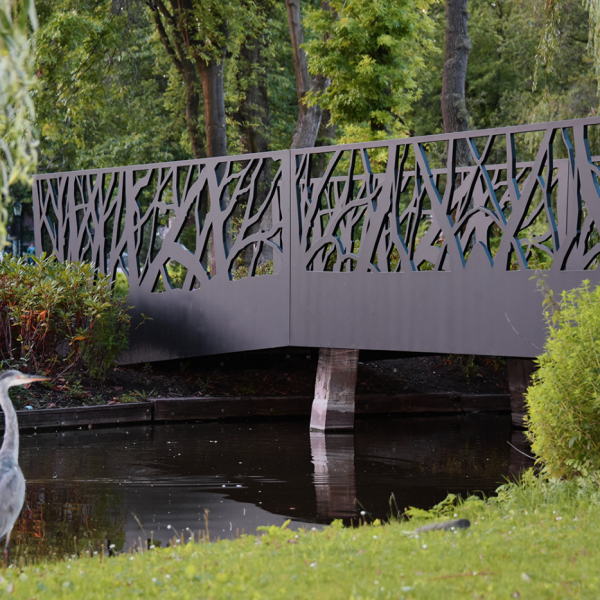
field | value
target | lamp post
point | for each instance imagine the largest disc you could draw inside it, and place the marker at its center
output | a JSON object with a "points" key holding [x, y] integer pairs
{"points": [[18, 208]]}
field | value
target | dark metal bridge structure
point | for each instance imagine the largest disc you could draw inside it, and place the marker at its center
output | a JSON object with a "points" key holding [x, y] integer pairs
{"points": [[382, 245]]}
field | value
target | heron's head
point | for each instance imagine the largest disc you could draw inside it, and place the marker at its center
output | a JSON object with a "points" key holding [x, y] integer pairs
{"points": [[10, 378]]}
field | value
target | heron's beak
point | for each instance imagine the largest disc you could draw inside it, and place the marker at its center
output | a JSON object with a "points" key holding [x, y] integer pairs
{"points": [[29, 379]]}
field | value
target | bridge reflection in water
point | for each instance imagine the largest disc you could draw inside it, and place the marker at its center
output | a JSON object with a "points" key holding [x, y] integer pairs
{"points": [[84, 487], [335, 483]]}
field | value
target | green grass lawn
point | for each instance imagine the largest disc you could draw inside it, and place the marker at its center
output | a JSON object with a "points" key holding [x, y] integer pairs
{"points": [[539, 540]]}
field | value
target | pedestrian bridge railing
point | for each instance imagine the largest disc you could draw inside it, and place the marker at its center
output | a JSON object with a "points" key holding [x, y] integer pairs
{"points": [[381, 245]]}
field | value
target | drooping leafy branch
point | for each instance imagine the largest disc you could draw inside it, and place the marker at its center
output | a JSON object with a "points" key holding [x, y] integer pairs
{"points": [[18, 155]]}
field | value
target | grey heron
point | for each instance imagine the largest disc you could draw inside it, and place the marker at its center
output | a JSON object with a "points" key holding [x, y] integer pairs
{"points": [[12, 482]]}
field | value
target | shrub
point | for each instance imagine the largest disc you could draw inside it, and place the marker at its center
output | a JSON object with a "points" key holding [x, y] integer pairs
{"points": [[55, 315], [564, 398], [121, 286]]}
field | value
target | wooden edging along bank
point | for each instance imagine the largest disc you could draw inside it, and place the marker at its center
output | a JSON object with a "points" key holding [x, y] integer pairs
{"points": [[161, 410]]}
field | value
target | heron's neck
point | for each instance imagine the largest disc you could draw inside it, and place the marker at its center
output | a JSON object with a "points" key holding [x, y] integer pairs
{"points": [[10, 444]]}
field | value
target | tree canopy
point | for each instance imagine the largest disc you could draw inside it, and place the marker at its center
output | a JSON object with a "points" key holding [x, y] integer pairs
{"points": [[18, 153], [113, 89]]}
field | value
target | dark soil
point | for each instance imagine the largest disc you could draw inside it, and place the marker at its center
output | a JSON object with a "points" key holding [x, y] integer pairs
{"points": [[265, 375]]}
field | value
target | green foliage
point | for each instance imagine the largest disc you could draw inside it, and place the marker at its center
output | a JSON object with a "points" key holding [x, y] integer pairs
{"points": [[241, 270], [505, 36], [466, 362], [533, 492], [18, 155], [109, 93], [263, 23], [556, 12], [443, 510], [105, 97], [564, 399], [121, 286], [56, 315], [372, 51]]}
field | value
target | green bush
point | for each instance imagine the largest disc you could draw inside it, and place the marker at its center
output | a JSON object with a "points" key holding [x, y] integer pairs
{"points": [[55, 315], [564, 399], [121, 286]]}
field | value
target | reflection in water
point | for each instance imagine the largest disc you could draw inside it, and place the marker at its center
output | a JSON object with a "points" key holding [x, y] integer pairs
{"points": [[84, 487], [333, 459]]}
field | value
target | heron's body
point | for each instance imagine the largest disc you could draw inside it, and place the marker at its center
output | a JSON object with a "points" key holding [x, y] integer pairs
{"points": [[12, 482], [12, 494]]}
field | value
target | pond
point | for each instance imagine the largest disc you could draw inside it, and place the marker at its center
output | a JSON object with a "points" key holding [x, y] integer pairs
{"points": [[87, 489]]}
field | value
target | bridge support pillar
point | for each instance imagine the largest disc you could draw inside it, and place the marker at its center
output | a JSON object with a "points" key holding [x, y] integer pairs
{"points": [[519, 378], [333, 405]]}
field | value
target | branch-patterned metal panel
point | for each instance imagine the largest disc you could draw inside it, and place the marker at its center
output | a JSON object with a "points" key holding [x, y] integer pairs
{"points": [[384, 245], [391, 250], [191, 240], [409, 217]]}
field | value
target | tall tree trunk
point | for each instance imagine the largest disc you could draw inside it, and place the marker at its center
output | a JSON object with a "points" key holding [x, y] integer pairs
{"points": [[309, 118], [175, 48], [254, 115], [214, 105], [216, 134], [177, 30], [458, 47], [254, 119], [192, 111]]}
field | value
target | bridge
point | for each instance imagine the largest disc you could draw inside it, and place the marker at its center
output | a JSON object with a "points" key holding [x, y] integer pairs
{"points": [[382, 245]]}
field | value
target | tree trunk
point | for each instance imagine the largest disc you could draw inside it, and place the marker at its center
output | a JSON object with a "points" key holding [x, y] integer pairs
{"points": [[458, 47], [175, 48], [214, 106], [216, 133], [309, 118], [254, 115], [254, 120], [192, 111], [177, 28]]}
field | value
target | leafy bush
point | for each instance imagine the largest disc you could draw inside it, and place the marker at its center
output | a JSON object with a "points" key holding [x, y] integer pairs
{"points": [[121, 286], [55, 315], [564, 399], [242, 271]]}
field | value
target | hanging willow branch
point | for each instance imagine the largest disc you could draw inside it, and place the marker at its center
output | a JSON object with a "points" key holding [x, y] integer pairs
{"points": [[548, 45], [18, 154]]}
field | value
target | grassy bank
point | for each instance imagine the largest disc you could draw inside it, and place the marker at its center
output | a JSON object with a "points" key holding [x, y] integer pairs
{"points": [[539, 540]]}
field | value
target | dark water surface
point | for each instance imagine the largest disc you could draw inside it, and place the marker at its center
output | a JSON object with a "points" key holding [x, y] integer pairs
{"points": [[84, 487]]}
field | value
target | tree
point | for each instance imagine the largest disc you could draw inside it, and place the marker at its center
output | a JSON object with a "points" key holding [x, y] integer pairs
{"points": [[458, 46], [105, 95], [504, 65], [499, 90], [249, 66], [372, 53], [195, 36], [18, 144], [309, 115]]}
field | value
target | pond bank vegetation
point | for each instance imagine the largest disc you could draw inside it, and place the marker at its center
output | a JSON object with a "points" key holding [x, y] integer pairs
{"points": [[536, 539]]}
